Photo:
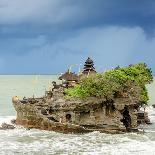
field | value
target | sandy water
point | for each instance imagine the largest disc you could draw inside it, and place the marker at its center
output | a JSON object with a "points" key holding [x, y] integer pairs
{"points": [[35, 142]]}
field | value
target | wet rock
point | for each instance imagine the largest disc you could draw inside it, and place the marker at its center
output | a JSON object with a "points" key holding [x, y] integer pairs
{"points": [[147, 120], [6, 126], [142, 118], [13, 121], [153, 105]]}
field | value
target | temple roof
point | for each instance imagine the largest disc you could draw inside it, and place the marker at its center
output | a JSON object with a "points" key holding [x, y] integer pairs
{"points": [[89, 61], [69, 76], [89, 72], [89, 66]]}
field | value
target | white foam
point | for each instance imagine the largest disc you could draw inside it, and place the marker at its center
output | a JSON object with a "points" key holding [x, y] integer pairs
{"points": [[6, 119], [22, 141]]}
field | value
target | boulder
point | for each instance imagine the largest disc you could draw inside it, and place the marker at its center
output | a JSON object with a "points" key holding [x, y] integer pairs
{"points": [[13, 121], [153, 105], [6, 126]]}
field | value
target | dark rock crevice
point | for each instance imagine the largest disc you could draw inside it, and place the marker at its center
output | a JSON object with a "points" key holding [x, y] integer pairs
{"points": [[126, 118]]}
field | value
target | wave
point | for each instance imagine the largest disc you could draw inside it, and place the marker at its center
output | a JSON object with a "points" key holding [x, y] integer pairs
{"points": [[6, 119]]}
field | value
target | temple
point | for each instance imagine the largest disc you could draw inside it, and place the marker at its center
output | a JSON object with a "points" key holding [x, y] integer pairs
{"points": [[69, 79], [89, 67], [55, 112]]}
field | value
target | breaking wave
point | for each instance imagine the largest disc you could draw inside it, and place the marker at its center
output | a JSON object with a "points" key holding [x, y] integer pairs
{"points": [[6, 119]]}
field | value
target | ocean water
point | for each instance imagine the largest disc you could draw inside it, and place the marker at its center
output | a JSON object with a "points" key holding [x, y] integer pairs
{"points": [[21, 141]]}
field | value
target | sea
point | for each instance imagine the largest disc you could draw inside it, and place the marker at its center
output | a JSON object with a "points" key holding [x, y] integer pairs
{"points": [[21, 141]]}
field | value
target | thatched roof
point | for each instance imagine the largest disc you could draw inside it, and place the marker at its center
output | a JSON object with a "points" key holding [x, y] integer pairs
{"points": [[69, 76]]}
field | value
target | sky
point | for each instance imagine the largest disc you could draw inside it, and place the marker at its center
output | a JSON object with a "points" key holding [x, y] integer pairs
{"points": [[48, 36]]}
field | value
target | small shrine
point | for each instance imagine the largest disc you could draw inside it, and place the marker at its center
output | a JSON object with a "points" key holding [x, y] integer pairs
{"points": [[69, 78], [89, 67]]}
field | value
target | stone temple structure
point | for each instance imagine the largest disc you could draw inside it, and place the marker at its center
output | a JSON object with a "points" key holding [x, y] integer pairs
{"points": [[89, 67], [57, 113], [69, 79]]}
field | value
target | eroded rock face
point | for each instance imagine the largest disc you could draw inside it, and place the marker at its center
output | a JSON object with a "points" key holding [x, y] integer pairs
{"points": [[67, 116]]}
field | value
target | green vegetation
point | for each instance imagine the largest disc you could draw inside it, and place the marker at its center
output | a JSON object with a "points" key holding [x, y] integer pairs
{"points": [[114, 83]]}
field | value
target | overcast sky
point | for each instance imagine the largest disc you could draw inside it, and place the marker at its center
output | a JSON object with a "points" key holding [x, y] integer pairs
{"points": [[47, 36]]}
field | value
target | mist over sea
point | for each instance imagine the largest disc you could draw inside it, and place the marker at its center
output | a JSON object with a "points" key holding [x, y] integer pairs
{"points": [[36, 142]]}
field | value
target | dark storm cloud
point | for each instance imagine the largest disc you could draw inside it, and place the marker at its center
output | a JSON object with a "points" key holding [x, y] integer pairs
{"points": [[73, 13], [67, 31]]}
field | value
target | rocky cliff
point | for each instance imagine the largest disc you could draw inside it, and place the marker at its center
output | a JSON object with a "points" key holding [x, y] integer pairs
{"points": [[76, 116]]}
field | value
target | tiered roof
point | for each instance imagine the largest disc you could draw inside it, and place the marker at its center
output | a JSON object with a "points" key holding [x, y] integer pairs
{"points": [[89, 66]]}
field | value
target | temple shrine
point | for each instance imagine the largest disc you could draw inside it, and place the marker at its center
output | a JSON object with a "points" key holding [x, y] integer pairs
{"points": [[89, 67]]}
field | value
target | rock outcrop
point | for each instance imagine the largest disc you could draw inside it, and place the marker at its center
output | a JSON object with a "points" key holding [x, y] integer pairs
{"points": [[77, 116], [6, 126]]}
